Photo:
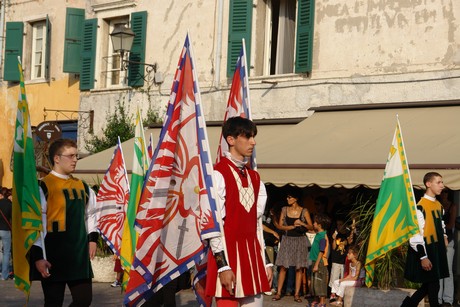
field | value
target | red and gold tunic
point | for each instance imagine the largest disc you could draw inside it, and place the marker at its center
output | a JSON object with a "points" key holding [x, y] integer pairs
{"points": [[240, 227]]}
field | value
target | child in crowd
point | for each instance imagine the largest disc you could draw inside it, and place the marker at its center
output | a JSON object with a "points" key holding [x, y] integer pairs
{"points": [[342, 238], [318, 255], [119, 270], [353, 277]]}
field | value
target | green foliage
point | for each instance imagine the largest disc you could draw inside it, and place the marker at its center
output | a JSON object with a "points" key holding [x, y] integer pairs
{"points": [[389, 269], [103, 250], [120, 123], [152, 118], [363, 213]]}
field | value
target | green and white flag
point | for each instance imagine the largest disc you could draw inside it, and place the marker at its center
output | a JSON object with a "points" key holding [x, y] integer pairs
{"points": [[26, 211], [395, 219], [140, 167]]}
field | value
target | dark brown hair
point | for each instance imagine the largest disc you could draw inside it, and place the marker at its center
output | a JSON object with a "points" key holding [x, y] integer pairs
{"points": [[57, 147], [323, 220], [236, 126], [429, 176]]}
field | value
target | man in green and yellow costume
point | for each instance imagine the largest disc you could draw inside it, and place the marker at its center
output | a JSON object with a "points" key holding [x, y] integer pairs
{"points": [[69, 231], [426, 258]]}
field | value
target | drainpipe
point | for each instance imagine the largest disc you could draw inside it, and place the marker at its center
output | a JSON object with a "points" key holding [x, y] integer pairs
{"points": [[220, 12]]}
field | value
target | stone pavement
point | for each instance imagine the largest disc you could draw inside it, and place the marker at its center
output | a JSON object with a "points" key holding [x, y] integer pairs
{"points": [[104, 295]]}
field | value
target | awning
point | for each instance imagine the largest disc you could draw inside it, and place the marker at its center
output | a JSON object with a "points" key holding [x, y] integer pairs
{"points": [[348, 146], [341, 146], [92, 168]]}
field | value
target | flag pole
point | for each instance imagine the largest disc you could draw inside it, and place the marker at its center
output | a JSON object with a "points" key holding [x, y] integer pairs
{"points": [[246, 80], [407, 161], [248, 100], [121, 151]]}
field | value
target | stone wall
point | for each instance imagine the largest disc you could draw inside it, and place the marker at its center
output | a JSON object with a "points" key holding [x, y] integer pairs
{"points": [[374, 297]]}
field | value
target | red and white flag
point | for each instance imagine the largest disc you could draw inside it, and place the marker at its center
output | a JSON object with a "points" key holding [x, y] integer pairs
{"points": [[178, 206], [238, 101], [150, 148], [112, 199]]}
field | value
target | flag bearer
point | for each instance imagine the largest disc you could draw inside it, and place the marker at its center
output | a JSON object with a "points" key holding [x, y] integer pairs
{"points": [[426, 258], [236, 270], [70, 233]]}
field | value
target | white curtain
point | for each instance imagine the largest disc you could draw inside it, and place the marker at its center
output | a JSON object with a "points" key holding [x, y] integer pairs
{"points": [[286, 37]]}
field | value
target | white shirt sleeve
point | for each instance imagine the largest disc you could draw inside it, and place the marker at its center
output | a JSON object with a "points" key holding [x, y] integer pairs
{"points": [[91, 217], [262, 200], [44, 205], [216, 243], [417, 239]]}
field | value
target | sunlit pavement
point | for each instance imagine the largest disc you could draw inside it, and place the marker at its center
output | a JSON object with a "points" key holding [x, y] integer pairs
{"points": [[104, 295]]}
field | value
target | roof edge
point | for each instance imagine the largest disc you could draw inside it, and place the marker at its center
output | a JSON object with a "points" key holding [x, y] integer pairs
{"points": [[389, 105]]}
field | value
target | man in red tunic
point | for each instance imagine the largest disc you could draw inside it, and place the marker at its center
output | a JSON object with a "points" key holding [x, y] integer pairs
{"points": [[237, 271]]}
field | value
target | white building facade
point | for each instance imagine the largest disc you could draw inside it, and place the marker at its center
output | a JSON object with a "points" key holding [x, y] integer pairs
{"points": [[302, 53]]}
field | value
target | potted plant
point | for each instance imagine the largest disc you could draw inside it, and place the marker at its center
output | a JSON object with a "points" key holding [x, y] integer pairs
{"points": [[388, 288]]}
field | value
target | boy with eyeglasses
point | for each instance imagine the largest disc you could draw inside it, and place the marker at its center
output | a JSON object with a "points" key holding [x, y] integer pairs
{"points": [[69, 230]]}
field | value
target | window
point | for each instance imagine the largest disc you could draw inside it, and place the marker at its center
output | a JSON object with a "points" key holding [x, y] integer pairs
{"points": [[283, 38], [38, 50], [280, 37], [97, 56], [114, 74], [33, 37], [37, 42], [287, 37]]}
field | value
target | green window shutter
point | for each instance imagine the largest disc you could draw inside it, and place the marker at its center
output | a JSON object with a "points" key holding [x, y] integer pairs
{"points": [[137, 53], [88, 54], [48, 48], [240, 26], [73, 39], [13, 49], [304, 40]]}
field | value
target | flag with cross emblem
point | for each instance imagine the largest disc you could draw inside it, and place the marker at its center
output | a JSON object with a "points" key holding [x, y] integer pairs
{"points": [[178, 206]]}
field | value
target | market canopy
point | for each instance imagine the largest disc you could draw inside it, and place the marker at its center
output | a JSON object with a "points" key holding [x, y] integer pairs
{"points": [[344, 145]]}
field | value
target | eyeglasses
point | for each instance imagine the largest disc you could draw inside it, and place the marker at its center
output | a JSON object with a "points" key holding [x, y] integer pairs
{"points": [[71, 157], [289, 196]]}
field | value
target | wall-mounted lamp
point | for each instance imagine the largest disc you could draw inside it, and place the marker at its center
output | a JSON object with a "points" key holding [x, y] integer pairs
{"points": [[122, 41]]}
